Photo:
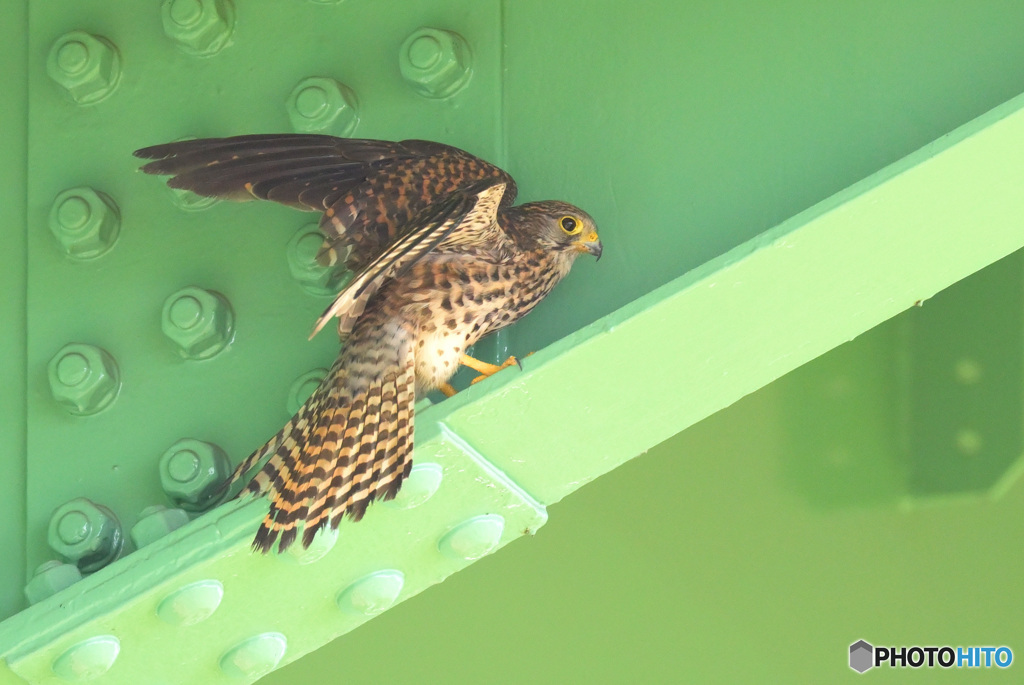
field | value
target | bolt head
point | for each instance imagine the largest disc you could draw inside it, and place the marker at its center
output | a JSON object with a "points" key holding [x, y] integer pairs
{"points": [[84, 222], [156, 522], [85, 533], [83, 379], [314, 277], [436, 63], [199, 27], [190, 472], [49, 579], [87, 66], [322, 105], [199, 322]]}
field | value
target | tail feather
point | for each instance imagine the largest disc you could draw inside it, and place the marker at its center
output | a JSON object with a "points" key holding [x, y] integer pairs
{"points": [[350, 444]]}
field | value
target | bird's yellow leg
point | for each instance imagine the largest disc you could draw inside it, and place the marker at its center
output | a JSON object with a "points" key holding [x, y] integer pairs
{"points": [[484, 369], [447, 389]]}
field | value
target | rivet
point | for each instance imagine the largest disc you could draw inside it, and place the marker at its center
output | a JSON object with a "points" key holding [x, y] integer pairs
{"points": [[322, 543], [372, 594], [255, 657], [474, 538], [420, 485], [88, 659], [191, 604]]}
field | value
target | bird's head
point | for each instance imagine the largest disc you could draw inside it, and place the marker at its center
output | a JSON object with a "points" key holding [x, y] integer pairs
{"points": [[558, 227]]}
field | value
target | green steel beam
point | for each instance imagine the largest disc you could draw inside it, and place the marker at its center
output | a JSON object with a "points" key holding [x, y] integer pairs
{"points": [[196, 605], [13, 275]]}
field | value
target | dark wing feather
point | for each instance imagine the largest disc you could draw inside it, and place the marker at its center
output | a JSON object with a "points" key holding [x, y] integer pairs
{"points": [[371, 191], [465, 218]]}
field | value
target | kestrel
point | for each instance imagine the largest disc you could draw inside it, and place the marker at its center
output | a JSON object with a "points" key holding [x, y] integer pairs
{"points": [[440, 258]]}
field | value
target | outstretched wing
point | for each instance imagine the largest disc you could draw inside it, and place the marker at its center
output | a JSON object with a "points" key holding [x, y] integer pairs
{"points": [[465, 220], [371, 192]]}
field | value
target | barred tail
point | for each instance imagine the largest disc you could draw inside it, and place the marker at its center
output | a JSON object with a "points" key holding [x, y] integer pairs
{"points": [[349, 444]]}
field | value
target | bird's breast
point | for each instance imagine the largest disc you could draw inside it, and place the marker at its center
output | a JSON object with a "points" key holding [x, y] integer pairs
{"points": [[457, 302]]}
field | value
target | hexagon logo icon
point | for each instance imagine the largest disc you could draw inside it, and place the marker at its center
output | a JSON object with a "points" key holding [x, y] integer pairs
{"points": [[861, 656]]}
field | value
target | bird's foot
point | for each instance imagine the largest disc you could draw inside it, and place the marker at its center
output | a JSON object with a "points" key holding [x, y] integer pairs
{"points": [[487, 370], [447, 389]]}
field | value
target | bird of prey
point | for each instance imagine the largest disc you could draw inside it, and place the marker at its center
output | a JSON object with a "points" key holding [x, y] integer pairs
{"points": [[441, 257]]}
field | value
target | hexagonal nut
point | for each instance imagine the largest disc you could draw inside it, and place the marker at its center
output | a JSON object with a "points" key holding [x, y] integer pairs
{"points": [[49, 579], [191, 472], [85, 533], [199, 322], [84, 379], [322, 105], [314, 277], [155, 522], [85, 222], [199, 27], [303, 387], [87, 66], [436, 63]]}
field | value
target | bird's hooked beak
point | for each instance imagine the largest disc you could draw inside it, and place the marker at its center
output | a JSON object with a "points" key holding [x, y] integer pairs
{"points": [[590, 244]]}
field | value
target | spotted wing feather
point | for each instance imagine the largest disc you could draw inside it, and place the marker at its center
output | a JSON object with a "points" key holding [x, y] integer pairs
{"points": [[370, 191]]}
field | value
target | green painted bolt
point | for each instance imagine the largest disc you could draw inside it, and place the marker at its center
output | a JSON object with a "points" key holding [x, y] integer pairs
{"points": [[83, 378], [372, 594], [473, 539], [322, 105], [255, 657], [191, 604], [199, 27], [303, 388], [436, 63], [49, 579], [421, 484], [84, 222], [85, 533], [190, 472], [88, 659], [199, 322], [314, 277], [87, 66], [155, 522]]}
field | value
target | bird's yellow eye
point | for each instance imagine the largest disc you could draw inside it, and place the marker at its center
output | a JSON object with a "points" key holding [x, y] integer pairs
{"points": [[570, 225]]}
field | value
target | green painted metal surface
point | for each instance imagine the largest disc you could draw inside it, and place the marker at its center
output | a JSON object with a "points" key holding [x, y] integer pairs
{"points": [[688, 129]]}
